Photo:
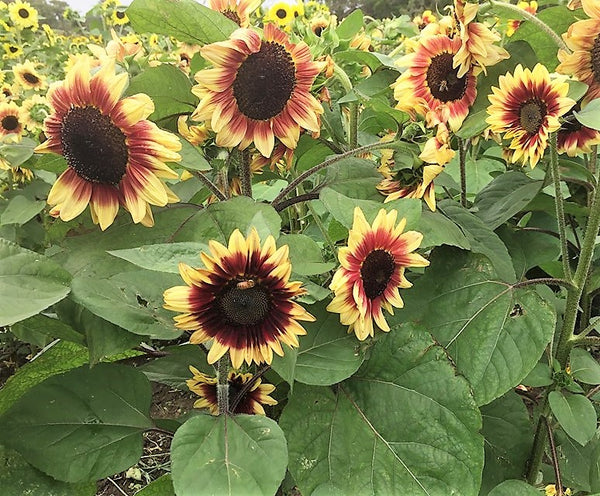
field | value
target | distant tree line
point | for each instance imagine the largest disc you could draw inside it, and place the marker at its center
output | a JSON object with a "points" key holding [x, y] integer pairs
{"points": [[385, 8]]}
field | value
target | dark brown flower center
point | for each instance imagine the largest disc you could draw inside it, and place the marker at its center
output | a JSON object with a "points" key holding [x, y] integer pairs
{"points": [[120, 14], [31, 78], [376, 272], [265, 82], [13, 49], [10, 123], [595, 59], [94, 146], [531, 115], [281, 13], [244, 303], [23, 13], [232, 16], [443, 81], [318, 30]]}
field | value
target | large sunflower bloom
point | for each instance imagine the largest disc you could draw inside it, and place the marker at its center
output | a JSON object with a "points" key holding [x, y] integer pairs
{"points": [[115, 155], [478, 49], [251, 403], [28, 77], [23, 15], [237, 11], [431, 87], [372, 271], [583, 38], [525, 108], [242, 300], [12, 123], [258, 90]]}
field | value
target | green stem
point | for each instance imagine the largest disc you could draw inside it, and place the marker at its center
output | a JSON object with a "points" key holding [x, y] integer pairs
{"points": [[223, 384], [245, 173], [210, 185], [523, 14], [560, 209], [539, 445], [330, 161], [462, 155], [353, 125], [594, 323]]}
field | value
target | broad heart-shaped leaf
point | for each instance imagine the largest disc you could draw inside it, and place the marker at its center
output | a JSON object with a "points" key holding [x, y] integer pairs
{"points": [[404, 421], [186, 20], [327, 354], [132, 300], [579, 464], [481, 238], [18, 478], [494, 333], [305, 255], [41, 330], [589, 115], [241, 454], [81, 425], [504, 197], [169, 88], [219, 220], [584, 367], [350, 25], [29, 283], [342, 208], [163, 257], [20, 210], [439, 230], [163, 486], [514, 488], [575, 414], [508, 437], [355, 177]]}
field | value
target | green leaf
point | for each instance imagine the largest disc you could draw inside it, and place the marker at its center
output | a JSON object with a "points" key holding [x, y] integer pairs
{"points": [[342, 208], [42, 329], [350, 25], [589, 115], [81, 425], [305, 255], [540, 376], [558, 18], [584, 367], [192, 158], [504, 197], [405, 420], [163, 257], [29, 283], [494, 333], [241, 454], [356, 178], [577, 462], [479, 172], [508, 437], [482, 239], [438, 230], [59, 358], [376, 84], [575, 414], [186, 20], [327, 354], [18, 153], [18, 478], [373, 60], [169, 88], [163, 486], [21, 210], [220, 219], [131, 300], [174, 369], [514, 488], [52, 163]]}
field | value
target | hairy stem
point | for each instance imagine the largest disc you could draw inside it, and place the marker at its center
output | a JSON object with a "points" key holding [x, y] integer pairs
{"points": [[560, 209], [353, 125], [210, 185], [462, 156], [223, 385], [559, 487], [245, 173]]}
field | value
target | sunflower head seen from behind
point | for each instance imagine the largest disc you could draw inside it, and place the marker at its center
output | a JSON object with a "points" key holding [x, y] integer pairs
{"points": [[372, 271], [242, 300], [115, 155]]}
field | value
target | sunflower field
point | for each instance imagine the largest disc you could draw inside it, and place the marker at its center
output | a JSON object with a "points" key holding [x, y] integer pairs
{"points": [[271, 249]]}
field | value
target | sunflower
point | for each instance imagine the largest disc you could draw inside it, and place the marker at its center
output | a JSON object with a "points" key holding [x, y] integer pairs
{"points": [[427, 17], [11, 122], [574, 138], [21, 175], [28, 77], [258, 90], [8, 91], [242, 300], [118, 18], [318, 25], [196, 135], [431, 87], [115, 155], [526, 108], [583, 38], [477, 49], [251, 403], [23, 15], [237, 11], [12, 51], [281, 13], [372, 271]]}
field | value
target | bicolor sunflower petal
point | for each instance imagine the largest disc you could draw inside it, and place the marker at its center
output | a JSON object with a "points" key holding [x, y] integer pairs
{"points": [[525, 108], [372, 271], [115, 156], [574, 138], [12, 122], [431, 87], [237, 11], [258, 90], [242, 300]]}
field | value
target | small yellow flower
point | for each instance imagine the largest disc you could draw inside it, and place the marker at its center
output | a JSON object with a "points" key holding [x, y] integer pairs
{"points": [[23, 15]]}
